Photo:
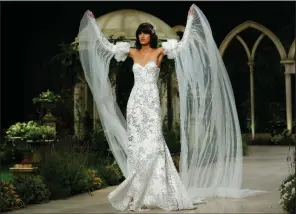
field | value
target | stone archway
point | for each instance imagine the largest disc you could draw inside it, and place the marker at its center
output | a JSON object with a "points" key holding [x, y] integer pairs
{"points": [[289, 70], [251, 56], [178, 29], [257, 26], [291, 54]]}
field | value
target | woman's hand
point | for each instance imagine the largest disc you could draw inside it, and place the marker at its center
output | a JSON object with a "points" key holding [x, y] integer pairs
{"points": [[190, 12], [90, 14]]}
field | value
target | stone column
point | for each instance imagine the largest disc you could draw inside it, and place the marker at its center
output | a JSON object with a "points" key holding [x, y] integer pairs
{"points": [[289, 69], [252, 97]]}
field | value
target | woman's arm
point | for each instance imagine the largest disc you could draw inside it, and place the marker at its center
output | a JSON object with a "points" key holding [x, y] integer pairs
{"points": [[131, 52], [160, 56]]}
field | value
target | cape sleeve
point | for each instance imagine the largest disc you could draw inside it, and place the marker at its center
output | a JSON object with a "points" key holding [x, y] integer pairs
{"points": [[172, 47], [211, 144], [95, 53]]}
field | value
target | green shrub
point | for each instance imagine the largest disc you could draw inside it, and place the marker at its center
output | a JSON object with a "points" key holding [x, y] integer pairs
{"points": [[30, 130], [8, 197], [65, 173], [282, 138], [99, 144], [31, 189], [116, 168], [288, 194], [94, 160], [94, 182], [111, 174], [9, 153]]}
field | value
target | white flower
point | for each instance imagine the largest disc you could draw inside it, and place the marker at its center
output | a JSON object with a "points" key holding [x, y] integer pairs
{"points": [[280, 201], [121, 50], [154, 26], [288, 184], [170, 48]]}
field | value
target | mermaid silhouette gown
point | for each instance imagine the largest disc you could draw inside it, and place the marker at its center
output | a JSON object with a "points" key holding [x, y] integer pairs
{"points": [[211, 144], [153, 180]]}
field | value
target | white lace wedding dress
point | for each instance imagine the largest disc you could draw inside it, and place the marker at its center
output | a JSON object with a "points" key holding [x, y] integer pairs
{"points": [[153, 180], [211, 144]]}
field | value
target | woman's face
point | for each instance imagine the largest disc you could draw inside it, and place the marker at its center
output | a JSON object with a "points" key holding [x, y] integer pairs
{"points": [[144, 38]]}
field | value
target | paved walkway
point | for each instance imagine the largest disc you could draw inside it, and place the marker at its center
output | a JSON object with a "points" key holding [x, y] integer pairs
{"points": [[264, 169]]}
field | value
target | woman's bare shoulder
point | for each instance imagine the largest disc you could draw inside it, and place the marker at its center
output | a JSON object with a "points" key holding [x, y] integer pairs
{"points": [[160, 50], [132, 51]]}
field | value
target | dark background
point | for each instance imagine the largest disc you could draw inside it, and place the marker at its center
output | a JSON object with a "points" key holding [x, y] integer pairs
{"points": [[32, 31]]}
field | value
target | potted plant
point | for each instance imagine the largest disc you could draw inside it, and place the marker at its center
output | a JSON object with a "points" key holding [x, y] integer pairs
{"points": [[39, 138], [48, 101], [47, 98], [31, 136], [15, 134], [16, 131]]}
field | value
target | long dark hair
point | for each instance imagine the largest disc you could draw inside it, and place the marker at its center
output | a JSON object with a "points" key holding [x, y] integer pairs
{"points": [[149, 29]]}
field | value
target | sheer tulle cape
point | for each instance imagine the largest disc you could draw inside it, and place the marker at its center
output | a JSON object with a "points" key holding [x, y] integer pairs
{"points": [[211, 144], [95, 55]]}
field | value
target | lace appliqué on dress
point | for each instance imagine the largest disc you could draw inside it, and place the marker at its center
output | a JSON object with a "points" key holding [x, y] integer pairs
{"points": [[153, 180]]}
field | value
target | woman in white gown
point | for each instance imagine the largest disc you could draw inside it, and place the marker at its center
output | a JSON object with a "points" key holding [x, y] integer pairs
{"points": [[153, 179], [211, 148]]}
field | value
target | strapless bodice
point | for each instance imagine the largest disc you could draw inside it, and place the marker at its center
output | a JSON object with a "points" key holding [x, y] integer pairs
{"points": [[147, 74]]}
